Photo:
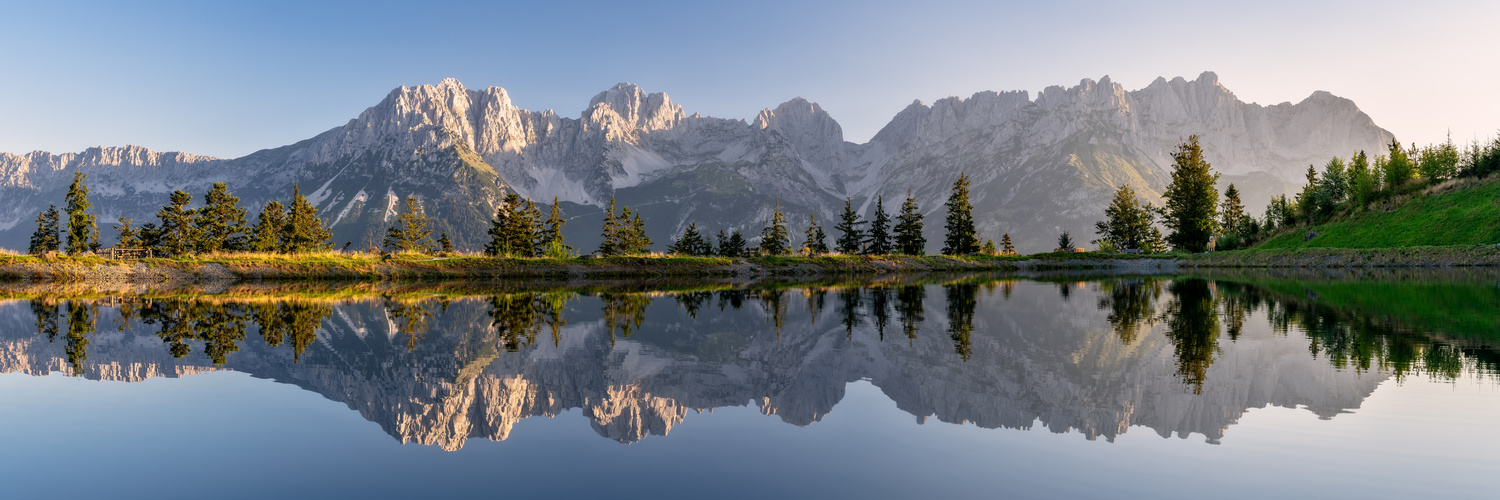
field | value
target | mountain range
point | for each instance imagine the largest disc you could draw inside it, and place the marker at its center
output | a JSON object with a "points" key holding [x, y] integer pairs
{"points": [[1038, 165]]}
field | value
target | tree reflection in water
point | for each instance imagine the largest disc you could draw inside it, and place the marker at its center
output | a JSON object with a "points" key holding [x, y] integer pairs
{"points": [[962, 298], [519, 317]]}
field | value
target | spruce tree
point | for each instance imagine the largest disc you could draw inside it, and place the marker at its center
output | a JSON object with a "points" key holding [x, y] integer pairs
{"points": [[880, 231], [410, 233], [1231, 211], [512, 232], [636, 241], [83, 233], [851, 235], [267, 235], [720, 242], [690, 243], [773, 238], [611, 232], [988, 248], [1398, 167], [1065, 241], [1192, 200], [220, 224], [46, 238], [177, 235], [551, 238], [1362, 180], [534, 227], [961, 238], [1006, 246], [814, 240], [445, 244], [303, 232], [129, 236], [734, 246], [909, 239]]}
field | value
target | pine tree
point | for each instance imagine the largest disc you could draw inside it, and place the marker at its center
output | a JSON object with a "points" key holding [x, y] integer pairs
{"points": [[445, 244], [303, 232], [1127, 222], [177, 235], [83, 234], [773, 238], [46, 238], [1307, 200], [611, 232], [551, 237], [512, 232], [267, 237], [690, 243], [880, 231], [220, 224], [1333, 188], [961, 236], [1192, 200], [635, 241], [1006, 246], [129, 236], [1439, 162], [851, 235], [410, 233], [1362, 180], [814, 240], [1065, 241], [909, 239], [1398, 167], [1231, 211], [1155, 243], [533, 227], [734, 246], [988, 248]]}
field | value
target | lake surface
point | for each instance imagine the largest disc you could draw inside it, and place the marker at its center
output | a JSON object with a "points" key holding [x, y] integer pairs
{"points": [[1342, 385]]}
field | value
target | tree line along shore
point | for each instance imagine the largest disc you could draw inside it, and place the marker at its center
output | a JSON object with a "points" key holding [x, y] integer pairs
{"points": [[1194, 216]]}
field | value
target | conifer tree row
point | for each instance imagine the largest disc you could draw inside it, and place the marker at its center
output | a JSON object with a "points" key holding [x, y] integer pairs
{"points": [[519, 231], [691, 243]]}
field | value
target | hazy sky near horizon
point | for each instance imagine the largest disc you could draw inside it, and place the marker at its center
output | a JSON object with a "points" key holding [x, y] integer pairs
{"points": [[225, 79]]}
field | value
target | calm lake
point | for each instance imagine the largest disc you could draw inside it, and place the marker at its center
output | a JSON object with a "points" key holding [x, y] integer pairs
{"points": [[1336, 385]]}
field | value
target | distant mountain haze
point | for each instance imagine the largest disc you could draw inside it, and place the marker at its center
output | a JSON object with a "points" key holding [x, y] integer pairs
{"points": [[1038, 166]]}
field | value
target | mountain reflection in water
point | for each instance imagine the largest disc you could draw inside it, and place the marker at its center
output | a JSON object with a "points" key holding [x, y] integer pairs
{"points": [[1179, 355]]}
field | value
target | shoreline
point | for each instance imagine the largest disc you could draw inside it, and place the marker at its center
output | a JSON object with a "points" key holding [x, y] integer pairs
{"points": [[363, 268]]}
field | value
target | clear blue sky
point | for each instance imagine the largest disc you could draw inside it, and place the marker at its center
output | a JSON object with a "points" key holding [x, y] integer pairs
{"points": [[227, 79]]}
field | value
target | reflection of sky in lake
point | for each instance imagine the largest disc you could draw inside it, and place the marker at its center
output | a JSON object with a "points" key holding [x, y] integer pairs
{"points": [[229, 434]]}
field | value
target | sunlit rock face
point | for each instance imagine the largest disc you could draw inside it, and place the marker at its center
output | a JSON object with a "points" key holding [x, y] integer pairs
{"points": [[1039, 165], [1032, 357]]}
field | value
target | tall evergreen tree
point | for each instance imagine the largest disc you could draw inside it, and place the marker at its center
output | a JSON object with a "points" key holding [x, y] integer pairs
{"points": [[551, 237], [1362, 179], [83, 234], [177, 235], [691, 243], [851, 233], [267, 237], [1231, 211], [962, 238], [1192, 200], [1065, 241], [220, 224], [880, 231], [46, 238], [303, 232], [129, 236], [773, 238], [1307, 200], [410, 232], [611, 232], [632, 233], [1005, 245], [909, 239], [512, 233], [734, 246], [444, 244], [814, 240], [1398, 167], [1333, 187], [1127, 222]]}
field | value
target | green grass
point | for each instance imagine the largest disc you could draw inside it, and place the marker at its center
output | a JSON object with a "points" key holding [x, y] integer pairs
{"points": [[1469, 215]]}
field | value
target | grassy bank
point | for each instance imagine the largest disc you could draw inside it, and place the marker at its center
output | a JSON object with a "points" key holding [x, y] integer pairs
{"points": [[1416, 256], [357, 267], [1455, 213]]}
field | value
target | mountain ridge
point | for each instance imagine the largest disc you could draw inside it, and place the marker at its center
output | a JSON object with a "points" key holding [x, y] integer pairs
{"points": [[1038, 165]]}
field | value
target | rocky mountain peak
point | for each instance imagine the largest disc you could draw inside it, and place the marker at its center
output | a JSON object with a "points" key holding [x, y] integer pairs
{"points": [[626, 108]]}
